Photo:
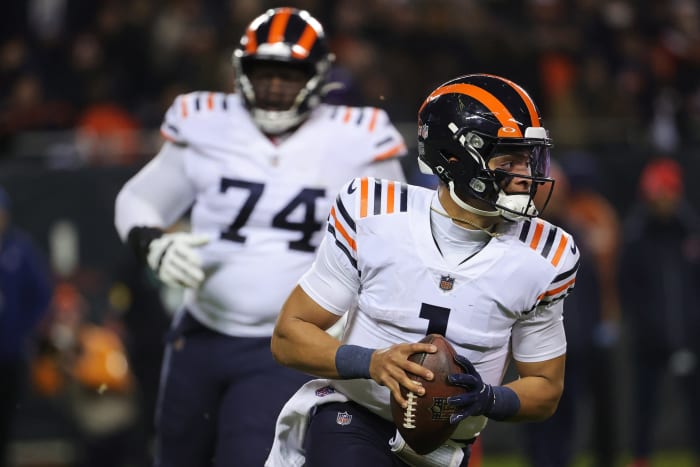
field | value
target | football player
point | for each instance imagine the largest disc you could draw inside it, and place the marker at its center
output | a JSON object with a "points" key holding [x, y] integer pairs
{"points": [[260, 169], [470, 260]]}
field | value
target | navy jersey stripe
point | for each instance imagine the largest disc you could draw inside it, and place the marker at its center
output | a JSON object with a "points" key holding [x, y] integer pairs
{"points": [[342, 247], [344, 214], [550, 241], [362, 115], [377, 196], [384, 141], [403, 206], [569, 273], [525, 231]]}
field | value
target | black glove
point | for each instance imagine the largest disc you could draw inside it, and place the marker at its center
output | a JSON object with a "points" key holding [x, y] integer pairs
{"points": [[478, 399]]}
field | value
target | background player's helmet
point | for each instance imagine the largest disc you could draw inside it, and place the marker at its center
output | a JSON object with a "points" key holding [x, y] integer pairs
{"points": [[284, 35], [466, 121]]}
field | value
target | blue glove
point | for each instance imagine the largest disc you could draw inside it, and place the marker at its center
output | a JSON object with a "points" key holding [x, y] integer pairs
{"points": [[480, 398]]}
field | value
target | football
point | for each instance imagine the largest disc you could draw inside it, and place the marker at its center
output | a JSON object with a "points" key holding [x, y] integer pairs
{"points": [[425, 423]]}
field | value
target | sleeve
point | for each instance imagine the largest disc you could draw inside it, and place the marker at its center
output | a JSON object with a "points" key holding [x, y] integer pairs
{"points": [[333, 280], [158, 195], [566, 261], [541, 335], [385, 139], [171, 128]]}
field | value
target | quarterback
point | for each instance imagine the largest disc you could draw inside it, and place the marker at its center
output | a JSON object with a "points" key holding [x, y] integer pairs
{"points": [[470, 260], [259, 170]]}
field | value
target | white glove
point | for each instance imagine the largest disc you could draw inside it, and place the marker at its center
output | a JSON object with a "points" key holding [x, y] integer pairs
{"points": [[175, 261]]}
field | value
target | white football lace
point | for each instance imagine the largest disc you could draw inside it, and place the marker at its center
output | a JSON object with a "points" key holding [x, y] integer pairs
{"points": [[409, 415]]}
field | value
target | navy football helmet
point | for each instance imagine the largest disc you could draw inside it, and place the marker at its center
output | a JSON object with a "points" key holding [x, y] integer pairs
{"points": [[468, 120], [283, 35]]}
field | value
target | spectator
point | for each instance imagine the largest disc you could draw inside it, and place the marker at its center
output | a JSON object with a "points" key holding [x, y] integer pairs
{"points": [[25, 293], [659, 277]]}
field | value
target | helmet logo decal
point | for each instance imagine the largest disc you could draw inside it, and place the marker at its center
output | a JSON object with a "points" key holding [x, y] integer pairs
{"points": [[423, 131]]}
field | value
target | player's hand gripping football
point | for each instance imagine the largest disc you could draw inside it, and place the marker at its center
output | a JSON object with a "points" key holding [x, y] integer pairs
{"points": [[478, 397], [174, 259], [391, 367]]}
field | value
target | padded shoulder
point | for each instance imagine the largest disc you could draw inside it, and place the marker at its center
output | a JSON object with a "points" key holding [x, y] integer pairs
{"points": [[557, 247], [370, 124], [188, 112]]}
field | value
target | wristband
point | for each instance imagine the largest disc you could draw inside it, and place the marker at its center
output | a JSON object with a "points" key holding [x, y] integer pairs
{"points": [[352, 361], [506, 403], [139, 238]]}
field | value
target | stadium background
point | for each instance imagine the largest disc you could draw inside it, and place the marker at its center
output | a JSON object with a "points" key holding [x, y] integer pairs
{"points": [[85, 83]]}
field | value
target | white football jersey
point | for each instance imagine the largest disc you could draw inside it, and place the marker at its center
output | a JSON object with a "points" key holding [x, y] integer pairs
{"points": [[263, 203], [506, 300]]}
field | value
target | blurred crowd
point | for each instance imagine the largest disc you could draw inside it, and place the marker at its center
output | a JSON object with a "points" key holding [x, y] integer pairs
{"points": [[86, 83], [620, 71]]}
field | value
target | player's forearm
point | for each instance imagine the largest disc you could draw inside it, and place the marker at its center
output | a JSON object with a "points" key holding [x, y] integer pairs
{"points": [[305, 347], [538, 399], [301, 344]]}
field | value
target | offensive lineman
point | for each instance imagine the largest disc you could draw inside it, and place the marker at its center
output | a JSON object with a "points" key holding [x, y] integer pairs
{"points": [[260, 169], [470, 261]]}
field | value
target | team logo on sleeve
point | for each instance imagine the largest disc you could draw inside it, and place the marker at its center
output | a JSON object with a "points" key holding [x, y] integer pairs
{"points": [[447, 282]]}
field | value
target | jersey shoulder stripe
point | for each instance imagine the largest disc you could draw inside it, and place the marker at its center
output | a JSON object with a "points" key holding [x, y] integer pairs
{"points": [[558, 248], [374, 124], [190, 106], [359, 199], [547, 239]]}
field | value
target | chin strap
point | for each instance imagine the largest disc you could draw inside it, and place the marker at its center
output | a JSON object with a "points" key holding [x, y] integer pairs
{"points": [[468, 207]]}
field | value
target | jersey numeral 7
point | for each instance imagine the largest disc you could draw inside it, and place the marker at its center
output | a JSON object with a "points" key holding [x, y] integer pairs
{"points": [[306, 199]]}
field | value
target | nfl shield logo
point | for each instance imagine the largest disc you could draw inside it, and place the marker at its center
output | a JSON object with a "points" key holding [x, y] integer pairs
{"points": [[343, 418], [447, 282]]}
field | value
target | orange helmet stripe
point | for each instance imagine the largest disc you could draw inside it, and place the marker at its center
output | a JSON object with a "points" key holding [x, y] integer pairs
{"points": [[534, 117], [279, 25], [252, 45], [305, 42], [486, 98]]}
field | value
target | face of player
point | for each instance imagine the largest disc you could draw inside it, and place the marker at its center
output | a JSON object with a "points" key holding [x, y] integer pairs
{"points": [[514, 162], [276, 84]]}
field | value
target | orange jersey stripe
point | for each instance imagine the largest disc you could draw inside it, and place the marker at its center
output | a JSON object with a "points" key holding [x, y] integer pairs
{"points": [[390, 198], [560, 250], [390, 152], [559, 289], [536, 237], [210, 101], [364, 196], [340, 229], [168, 137], [183, 107], [278, 26], [305, 42], [373, 120], [347, 115], [487, 99]]}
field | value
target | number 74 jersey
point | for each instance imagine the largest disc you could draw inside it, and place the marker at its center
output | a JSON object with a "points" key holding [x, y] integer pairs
{"points": [[264, 202]]}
